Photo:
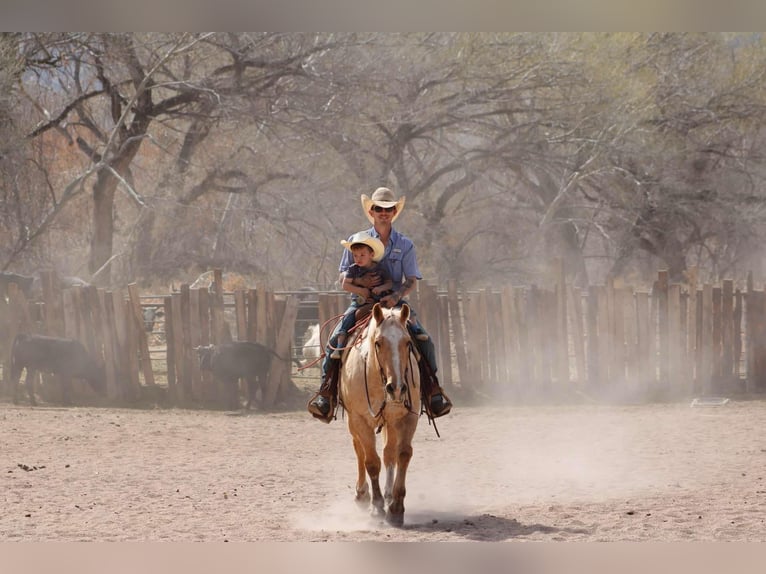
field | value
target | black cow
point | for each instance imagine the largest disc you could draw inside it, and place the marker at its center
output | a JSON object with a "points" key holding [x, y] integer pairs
{"points": [[151, 314], [65, 357], [230, 362], [24, 283]]}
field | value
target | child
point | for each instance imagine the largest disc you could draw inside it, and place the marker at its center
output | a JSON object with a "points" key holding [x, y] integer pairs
{"points": [[367, 251]]}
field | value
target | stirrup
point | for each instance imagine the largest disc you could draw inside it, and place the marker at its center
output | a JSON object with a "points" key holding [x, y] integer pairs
{"points": [[313, 408], [446, 405]]}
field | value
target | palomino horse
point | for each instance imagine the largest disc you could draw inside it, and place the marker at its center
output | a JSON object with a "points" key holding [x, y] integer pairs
{"points": [[380, 388]]}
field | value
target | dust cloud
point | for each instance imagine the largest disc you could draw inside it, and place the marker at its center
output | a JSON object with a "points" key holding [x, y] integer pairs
{"points": [[660, 472]]}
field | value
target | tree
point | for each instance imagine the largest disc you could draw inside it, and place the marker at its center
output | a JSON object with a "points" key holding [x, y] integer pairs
{"points": [[175, 152], [113, 89]]}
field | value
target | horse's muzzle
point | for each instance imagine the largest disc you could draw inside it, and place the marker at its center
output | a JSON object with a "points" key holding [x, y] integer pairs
{"points": [[397, 393]]}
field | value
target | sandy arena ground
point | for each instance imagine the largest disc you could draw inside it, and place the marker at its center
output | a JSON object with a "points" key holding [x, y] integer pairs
{"points": [[665, 472]]}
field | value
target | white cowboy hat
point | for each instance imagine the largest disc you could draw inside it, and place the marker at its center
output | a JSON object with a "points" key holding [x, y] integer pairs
{"points": [[378, 250], [383, 197]]}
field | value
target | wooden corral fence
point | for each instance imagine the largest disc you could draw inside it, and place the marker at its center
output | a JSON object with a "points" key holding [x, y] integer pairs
{"points": [[673, 341], [516, 343], [111, 326]]}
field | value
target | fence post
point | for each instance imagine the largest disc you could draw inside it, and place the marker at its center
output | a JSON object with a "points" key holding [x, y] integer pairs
{"points": [[510, 338], [727, 332], [445, 357], [619, 354], [574, 294], [692, 333], [195, 331], [676, 350], [706, 336], [114, 385], [717, 338], [756, 329], [605, 341], [737, 344], [456, 319], [561, 325], [7, 332], [176, 391], [143, 343], [19, 321], [644, 334], [282, 348], [208, 390], [484, 347], [476, 339], [240, 312], [631, 339], [594, 373], [661, 290], [130, 344]]}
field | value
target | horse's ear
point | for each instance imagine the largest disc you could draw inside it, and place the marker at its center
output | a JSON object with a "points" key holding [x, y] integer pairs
{"points": [[377, 312], [404, 314]]}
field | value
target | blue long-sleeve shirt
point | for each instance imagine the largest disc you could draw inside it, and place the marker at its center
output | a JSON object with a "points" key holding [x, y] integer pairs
{"points": [[399, 258]]}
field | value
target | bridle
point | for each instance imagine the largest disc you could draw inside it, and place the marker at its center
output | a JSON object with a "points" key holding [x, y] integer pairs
{"points": [[408, 380]]}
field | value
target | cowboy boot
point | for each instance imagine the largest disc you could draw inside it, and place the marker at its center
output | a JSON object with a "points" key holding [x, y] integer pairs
{"points": [[322, 404], [435, 400]]}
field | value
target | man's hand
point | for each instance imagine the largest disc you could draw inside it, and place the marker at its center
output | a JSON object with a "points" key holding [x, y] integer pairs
{"points": [[391, 300], [369, 280]]}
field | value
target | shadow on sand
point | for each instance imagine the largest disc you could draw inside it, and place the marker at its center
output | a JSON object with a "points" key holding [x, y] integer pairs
{"points": [[484, 527]]}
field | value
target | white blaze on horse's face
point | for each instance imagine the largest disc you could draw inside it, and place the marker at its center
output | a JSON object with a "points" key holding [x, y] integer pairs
{"points": [[392, 345]]}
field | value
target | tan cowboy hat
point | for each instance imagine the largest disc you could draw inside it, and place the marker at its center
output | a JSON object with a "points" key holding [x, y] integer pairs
{"points": [[383, 197], [378, 250]]}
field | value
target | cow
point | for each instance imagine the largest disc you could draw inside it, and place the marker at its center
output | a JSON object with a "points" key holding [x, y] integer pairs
{"points": [[308, 310], [311, 347], [230, 362], [65, 357], [150, 315], [23, 282]]}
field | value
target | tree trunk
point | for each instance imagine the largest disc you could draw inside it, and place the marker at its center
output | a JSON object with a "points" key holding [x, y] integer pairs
{"points": [[101, 242]]}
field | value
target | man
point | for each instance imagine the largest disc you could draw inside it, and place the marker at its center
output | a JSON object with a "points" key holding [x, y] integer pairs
{"points": [[399, 259]]}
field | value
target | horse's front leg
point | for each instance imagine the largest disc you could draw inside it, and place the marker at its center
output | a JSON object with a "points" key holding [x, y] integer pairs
{"points": [[365, 436], [362, 487], [395, 511], [390, 448]]}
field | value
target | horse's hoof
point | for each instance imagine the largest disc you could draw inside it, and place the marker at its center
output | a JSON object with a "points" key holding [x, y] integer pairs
{"points": [[377, 511], [395, 519]]}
